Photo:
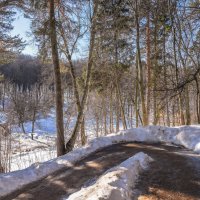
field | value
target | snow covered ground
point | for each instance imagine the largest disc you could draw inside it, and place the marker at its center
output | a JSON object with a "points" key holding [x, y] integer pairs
{"points": [[14, 180], [187, 136], [117, 182], [26, 151]]}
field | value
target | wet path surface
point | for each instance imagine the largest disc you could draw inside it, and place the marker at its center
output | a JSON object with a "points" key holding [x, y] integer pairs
{"points": [[173, 175]]}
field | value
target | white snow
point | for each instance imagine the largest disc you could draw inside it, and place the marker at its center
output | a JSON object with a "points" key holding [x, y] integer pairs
{"points": [[188, 136], [26, 151], [117, 183], [14, 180]]}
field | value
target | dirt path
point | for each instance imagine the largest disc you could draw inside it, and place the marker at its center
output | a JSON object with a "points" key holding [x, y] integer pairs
{"points": [[171, 176]]}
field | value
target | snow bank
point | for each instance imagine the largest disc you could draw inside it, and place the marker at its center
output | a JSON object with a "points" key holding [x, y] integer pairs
{"points": [[12, 181], [188, 136], [117, 182]]}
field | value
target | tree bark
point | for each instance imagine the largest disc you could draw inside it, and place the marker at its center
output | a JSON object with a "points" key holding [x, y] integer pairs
{"points": [[117, 113], [111, 112], [119, 96], [148, 52], [70, 144], [177, 78], [136, 96], [197, 101], [58, 86], [155, 76], [83, 136], [141, 83], [165, 78], [74, 82]]}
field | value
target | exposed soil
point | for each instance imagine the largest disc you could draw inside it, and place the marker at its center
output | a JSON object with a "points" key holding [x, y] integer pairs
{"points": [[171, 176]]}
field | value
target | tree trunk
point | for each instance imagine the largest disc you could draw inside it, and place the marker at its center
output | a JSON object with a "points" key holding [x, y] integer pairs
{"points": [[187, 98], [119, 96], [33, 121], [177, 78], [197, 101], [111, 112], [97, 126], [72, 140], [33, 127], [23, 129], [165, 79], [136, 96], [83, 136], [187, 111], [173, 116], [117, 112], [155, 76], [117, 80], [148, 52], [58, 86], [74, 81], [104, 116], [141, 83]]}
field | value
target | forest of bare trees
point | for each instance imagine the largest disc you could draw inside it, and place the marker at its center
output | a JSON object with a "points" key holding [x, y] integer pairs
{"points": [[123, 63]]}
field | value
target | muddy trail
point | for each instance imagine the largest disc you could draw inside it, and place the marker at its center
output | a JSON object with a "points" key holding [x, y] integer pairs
{"points": [[174, 174]]}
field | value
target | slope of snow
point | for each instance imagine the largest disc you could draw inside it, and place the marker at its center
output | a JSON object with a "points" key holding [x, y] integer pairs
{"points": [[42, 125], [26, 151], [117, 182], [25, 143]]}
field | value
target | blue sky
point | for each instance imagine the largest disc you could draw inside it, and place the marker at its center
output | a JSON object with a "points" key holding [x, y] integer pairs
{"points": [[22, 27]]}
